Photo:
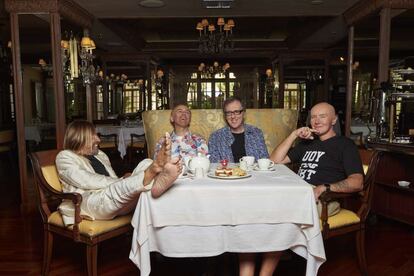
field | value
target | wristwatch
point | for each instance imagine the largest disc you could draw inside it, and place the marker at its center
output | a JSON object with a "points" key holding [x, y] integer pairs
{"points": [[327, 187]]}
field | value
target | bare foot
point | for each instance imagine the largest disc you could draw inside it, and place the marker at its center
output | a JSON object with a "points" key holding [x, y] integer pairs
{"points": [[164, 155], [164, 180]]}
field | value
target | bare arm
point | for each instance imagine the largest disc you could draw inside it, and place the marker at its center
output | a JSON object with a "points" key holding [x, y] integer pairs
{"points": [[279, 154], [353, 183]]}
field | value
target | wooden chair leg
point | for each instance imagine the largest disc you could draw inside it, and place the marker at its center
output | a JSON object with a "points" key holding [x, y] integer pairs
{"points": [[360, 246], [91, 258], [47, 250]]}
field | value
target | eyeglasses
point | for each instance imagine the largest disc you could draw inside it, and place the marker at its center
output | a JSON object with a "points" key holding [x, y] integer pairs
{"points": [[235, 112]]}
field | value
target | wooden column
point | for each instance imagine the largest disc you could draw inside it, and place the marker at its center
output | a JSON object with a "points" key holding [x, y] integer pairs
{"points": [[105, 91], [149, 85], [326, 79], [349, 62], [89, 103], [281, 95], [19, 113], [58, 78], [384, 45]]}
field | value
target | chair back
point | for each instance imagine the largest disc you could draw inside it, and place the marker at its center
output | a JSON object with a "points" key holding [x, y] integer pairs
{"points": [[108, 141], [137, 140], [111, 122], [276, 124], [367, 191], [46, 180]]}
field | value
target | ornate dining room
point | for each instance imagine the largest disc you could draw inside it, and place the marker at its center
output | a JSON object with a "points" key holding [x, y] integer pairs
{"points": [[143, 76]]}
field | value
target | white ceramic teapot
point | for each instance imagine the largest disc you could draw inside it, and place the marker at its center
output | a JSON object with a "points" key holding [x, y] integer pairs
{"points": [[199, 161]]}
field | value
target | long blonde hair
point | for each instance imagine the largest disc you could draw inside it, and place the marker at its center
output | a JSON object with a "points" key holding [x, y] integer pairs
{"points": [[79, 134]]}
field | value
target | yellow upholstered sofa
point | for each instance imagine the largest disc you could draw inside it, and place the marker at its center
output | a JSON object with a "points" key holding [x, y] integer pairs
{"points": [[276, 124]]}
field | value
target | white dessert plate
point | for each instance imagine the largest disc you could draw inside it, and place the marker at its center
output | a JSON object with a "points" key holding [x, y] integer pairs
{"points": [[231, 177]]}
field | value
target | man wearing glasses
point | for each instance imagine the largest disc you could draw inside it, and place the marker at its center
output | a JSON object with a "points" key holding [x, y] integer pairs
{"points": [[237, 139]]}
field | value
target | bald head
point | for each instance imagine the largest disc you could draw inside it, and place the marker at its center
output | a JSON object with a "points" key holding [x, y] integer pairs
{"points": [[323, 118], [327, 108]]}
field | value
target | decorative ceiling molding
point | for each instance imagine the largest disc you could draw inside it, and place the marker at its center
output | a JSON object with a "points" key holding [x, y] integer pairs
{"points": [[31, 6], [66, 8], [367, 7], [75, 13]]}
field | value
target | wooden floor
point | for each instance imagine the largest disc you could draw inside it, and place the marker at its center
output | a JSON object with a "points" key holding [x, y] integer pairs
{"points": [[390, 247]]}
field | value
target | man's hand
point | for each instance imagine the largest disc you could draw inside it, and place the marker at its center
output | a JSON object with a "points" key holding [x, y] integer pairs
{"points": [[305, 133], [126, 175], [318, 190]]}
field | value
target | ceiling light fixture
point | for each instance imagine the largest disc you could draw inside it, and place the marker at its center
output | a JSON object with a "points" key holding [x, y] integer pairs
{"points": [[217, 4], [216, 42], [316, 2], [152, 3]]}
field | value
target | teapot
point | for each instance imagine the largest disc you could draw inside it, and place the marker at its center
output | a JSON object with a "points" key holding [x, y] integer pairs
{"points": [[199, 161]]}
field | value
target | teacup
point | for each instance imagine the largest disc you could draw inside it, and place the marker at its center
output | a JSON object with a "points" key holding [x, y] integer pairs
{"points": [[265, 164], [248, 159], [243, 165]]}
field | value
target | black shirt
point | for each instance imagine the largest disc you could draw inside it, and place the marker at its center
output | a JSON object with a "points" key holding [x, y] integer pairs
{"points": [[238, 149], [98, 167], [326, 162]]}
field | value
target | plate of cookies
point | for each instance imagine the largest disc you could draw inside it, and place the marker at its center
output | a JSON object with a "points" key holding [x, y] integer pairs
{"points": [[229, 173]]}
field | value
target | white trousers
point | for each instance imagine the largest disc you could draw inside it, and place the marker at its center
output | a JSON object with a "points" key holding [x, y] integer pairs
{"points": [[119, 198]]}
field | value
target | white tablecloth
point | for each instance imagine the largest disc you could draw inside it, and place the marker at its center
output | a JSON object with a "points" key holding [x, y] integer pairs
{"points": [[269, 211], [124, 135]]}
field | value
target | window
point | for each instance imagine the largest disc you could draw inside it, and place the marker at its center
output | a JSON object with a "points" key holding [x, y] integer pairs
{"points": [[295, 96], [291, 95], [213, 90], [99, 102], [131, 98], [12, 112]]}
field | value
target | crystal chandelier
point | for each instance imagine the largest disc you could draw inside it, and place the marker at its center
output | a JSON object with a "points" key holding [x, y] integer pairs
{"points": [[212, 41], [72, 51], [208, 71]]}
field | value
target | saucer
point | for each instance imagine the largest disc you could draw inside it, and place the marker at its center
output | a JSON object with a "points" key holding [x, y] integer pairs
{"points": [[265, 170]]}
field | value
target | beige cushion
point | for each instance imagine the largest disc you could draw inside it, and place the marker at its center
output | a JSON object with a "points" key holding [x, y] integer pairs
{"points": [[52, 178], [5, 148], [276, 124], [138, 144], [6, 136], [92, 227]]}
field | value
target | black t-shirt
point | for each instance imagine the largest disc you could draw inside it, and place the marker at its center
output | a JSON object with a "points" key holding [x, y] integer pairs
{"points": [[238, 149], [325, 162], [97, 165]]}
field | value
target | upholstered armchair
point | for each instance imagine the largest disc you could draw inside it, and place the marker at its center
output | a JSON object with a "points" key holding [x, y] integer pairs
{"points": [[50, 194], [276, 124]]}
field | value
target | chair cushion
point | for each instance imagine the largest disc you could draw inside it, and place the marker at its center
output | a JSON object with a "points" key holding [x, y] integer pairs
{"points": [[92, 228], [343, 218], [7, 148], [107, 144], [51, 175], [138, 144]]}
